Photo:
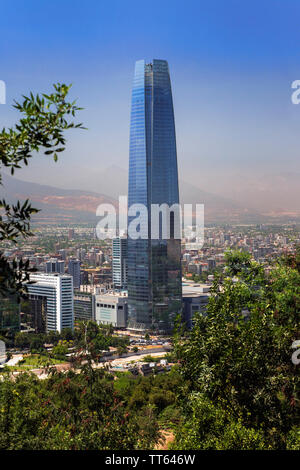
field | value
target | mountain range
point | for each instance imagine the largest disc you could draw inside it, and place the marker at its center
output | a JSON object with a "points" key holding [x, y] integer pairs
{"points": [[75, 206]]}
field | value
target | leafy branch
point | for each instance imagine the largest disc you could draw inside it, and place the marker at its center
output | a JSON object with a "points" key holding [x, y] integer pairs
{"points": [[42, 128]]}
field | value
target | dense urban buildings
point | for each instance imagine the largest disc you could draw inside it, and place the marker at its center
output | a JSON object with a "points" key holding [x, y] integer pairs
{"points": [[154, 269], [264, 242]]}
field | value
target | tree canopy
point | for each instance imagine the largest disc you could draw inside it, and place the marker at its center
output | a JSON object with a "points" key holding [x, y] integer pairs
{"points": [[45, 119], [244, 388]]}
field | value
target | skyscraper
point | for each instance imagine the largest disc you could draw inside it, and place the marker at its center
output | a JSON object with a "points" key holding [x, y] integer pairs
{"points": [[154, 270]]}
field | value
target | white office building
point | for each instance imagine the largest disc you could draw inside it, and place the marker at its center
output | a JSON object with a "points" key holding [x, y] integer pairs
{"points": [[111, 309], [119, 263], [58, 290]]}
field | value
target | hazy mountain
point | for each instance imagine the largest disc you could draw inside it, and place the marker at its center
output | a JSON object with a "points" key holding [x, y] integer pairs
{"points": [[271, 193], [74, 205], [216, 207], [55, 203]]}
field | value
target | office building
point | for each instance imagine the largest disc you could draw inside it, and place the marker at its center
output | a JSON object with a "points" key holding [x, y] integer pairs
{"points": [[74, 271], [211, 264], [195, 298], [55, 266], [62, 253], [119, 263], [33, 316], [154, 268], [84, 306], [9, 313], [58, 290], [112, 308]]}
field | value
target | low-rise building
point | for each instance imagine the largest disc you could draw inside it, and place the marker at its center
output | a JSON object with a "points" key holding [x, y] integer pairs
{"points": [[195, 298], [84, 306], [111, 309]]}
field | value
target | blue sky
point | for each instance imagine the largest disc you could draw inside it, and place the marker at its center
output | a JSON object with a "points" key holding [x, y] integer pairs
{"points": [[232, 63]]}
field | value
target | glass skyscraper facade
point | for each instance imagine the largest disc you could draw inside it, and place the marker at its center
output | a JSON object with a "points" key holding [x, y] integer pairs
{"points": [[154, 265]]}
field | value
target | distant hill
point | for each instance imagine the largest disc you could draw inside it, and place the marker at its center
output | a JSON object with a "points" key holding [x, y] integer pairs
{"points": [[217, 208], [56, 204], [74, 206]]}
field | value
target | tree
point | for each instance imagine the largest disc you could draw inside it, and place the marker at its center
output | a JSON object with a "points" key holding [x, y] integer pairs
{"points": [[237, 360], [42, 128], [121, 350], [67, 411], [60, 350], [67, 334], [22, 340], [36, 344]]}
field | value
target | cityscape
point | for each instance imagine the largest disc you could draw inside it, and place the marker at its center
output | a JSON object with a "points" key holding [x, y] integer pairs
{"points": [[99, 269], [147, 329]]}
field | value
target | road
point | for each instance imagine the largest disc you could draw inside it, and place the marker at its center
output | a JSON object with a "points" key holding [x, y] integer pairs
{"points": [[114, 362]]}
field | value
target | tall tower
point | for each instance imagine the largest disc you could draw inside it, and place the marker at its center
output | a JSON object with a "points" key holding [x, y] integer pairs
{"points": [[154, 265]]}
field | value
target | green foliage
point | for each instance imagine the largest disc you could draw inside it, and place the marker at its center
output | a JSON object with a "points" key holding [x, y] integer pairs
{"points": [[160, 390], [150, 358], [36, 344], [34, 361], [170, 417], [293, 439], [22, 340], [60, 350], [210, 427], [42, 128], [237, 262], [67, 334], [238, 358], [293, 260], [87, 410], [67, 411]]}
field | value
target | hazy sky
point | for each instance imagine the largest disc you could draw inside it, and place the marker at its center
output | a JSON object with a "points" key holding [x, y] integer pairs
{"points": [[232, 63]]}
